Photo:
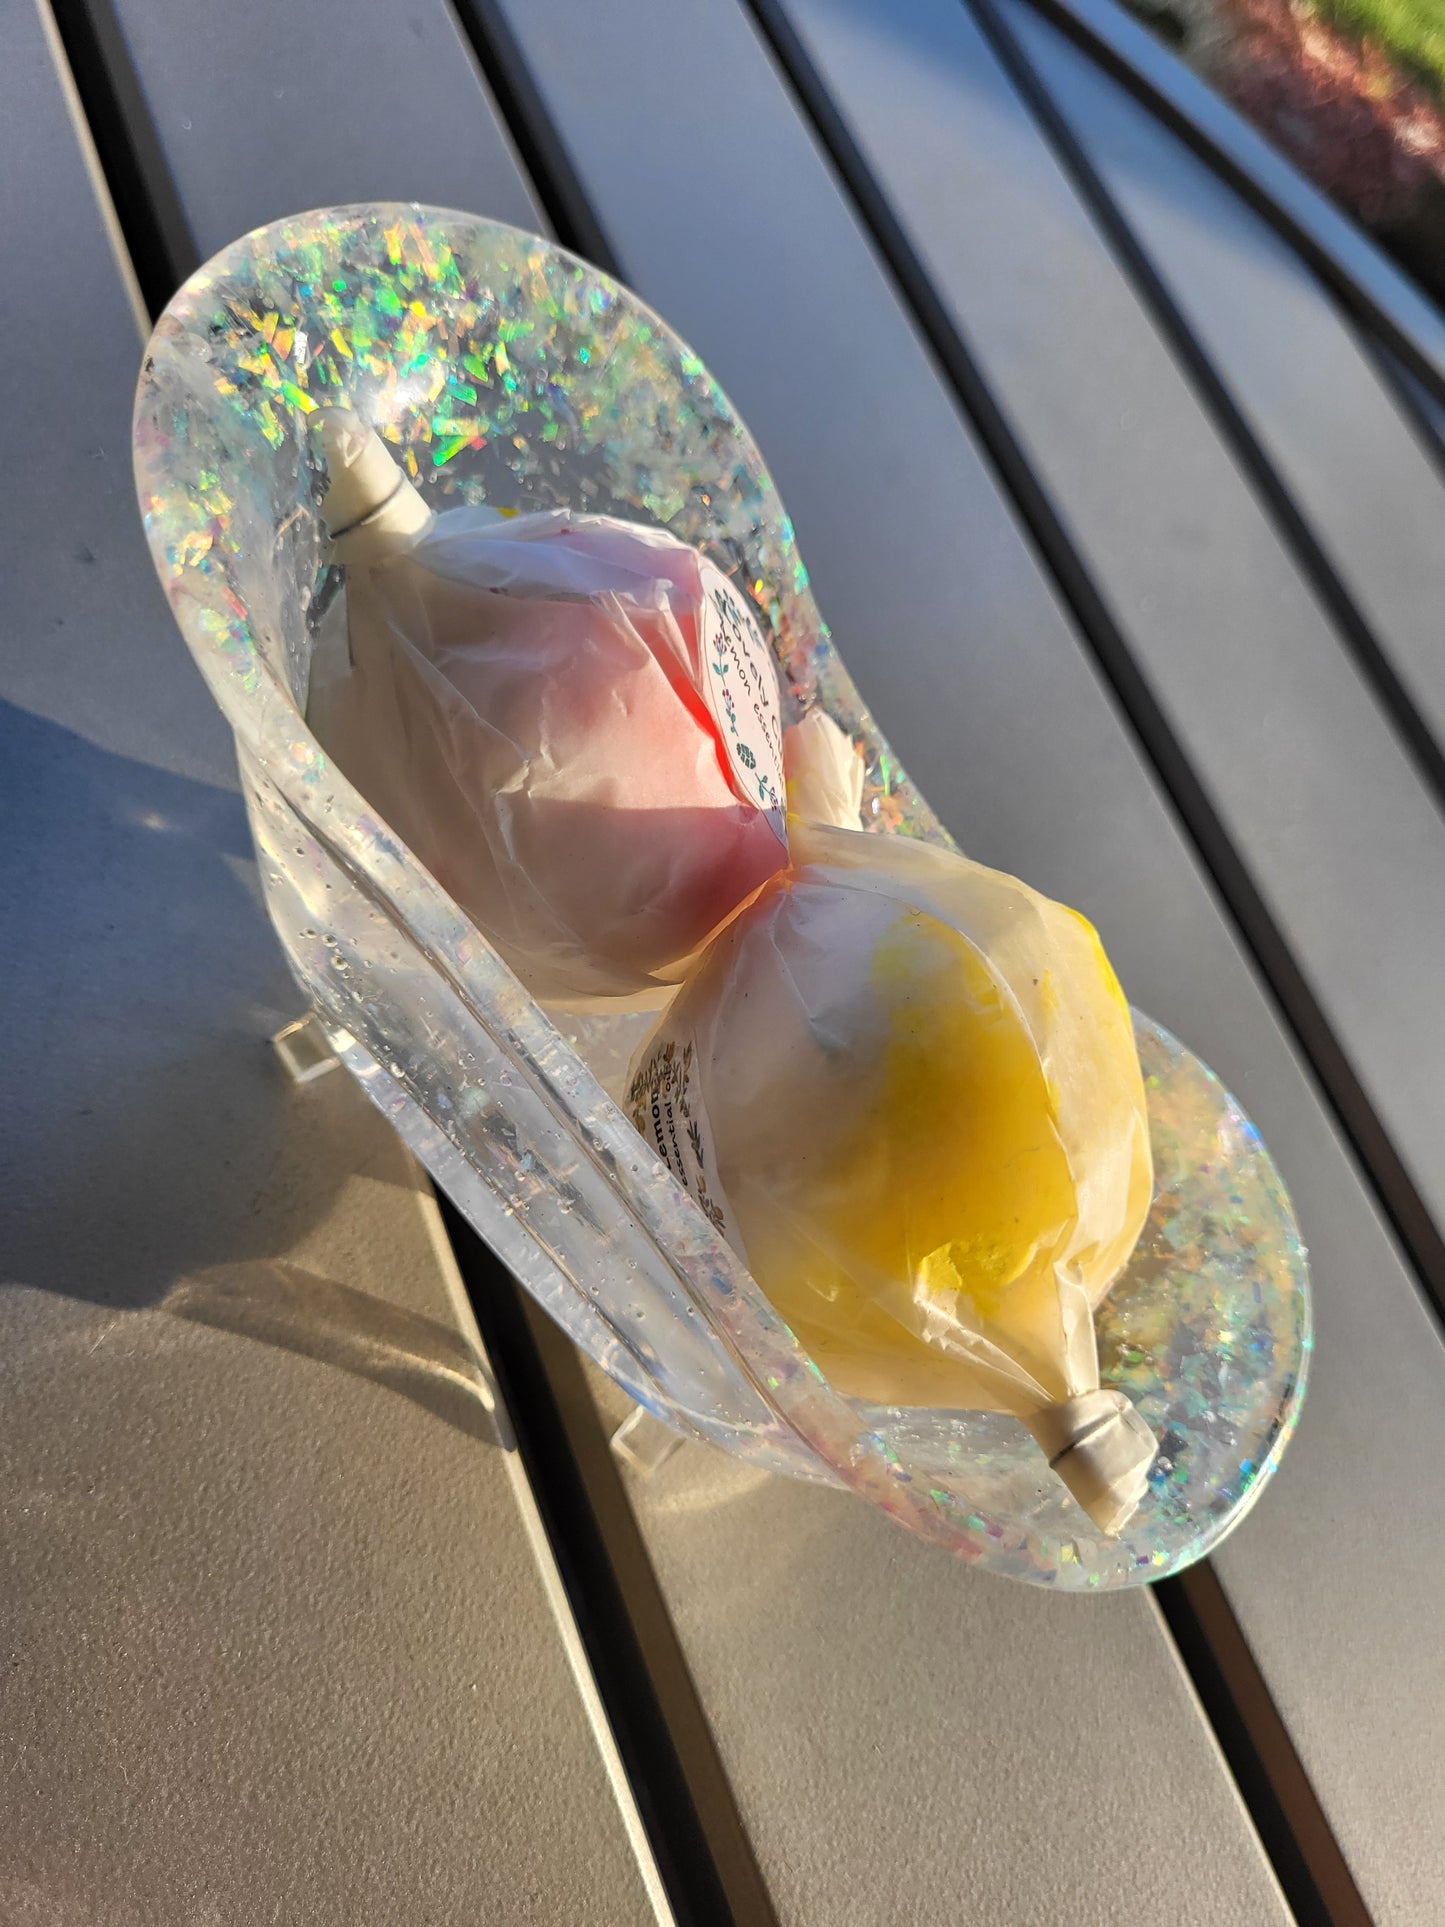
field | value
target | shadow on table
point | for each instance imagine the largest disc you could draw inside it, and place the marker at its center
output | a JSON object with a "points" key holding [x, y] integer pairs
{"points": [[281, 1304], [153, 1153]]}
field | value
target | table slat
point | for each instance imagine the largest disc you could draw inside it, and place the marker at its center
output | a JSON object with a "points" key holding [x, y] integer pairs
{"points": [[337, 101]]}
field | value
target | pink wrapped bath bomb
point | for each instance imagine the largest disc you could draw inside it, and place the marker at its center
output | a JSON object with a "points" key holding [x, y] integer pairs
{"points": [[573, 721]]}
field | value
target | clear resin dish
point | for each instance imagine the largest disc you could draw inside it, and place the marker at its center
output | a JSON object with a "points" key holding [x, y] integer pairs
{"points": [[503, 369]]}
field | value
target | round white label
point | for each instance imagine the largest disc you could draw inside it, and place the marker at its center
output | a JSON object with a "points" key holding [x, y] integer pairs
{"points": [[741, 681]]}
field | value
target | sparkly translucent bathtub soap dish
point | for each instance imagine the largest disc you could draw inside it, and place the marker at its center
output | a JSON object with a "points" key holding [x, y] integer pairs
{"points": [[501, 369]]}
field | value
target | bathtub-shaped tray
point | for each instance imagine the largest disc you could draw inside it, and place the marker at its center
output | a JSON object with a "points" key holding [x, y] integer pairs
{"points": [[503, 369]]}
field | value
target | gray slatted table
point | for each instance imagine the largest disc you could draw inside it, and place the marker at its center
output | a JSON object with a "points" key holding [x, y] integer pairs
{"points": [[905, 290], [1098, 1673]]}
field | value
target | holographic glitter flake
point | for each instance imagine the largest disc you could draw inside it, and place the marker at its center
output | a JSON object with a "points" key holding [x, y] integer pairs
{"points": [[504, 370]]}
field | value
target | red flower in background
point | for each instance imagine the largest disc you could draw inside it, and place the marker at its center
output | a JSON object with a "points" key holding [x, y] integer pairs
{"points": [[1370, 137]]}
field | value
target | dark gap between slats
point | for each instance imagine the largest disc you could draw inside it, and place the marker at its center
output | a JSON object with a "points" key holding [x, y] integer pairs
{"points": [[148, 207], [1269, 487], [555, 182], [1424, 417], [706, 1865], [1234, 886], [1271, 1778], [682, 1792], [1287, 1815], [1357, 301]]}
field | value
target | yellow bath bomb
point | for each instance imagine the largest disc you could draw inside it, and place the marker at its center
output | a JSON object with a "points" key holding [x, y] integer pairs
{"points": [[911, 1099]]}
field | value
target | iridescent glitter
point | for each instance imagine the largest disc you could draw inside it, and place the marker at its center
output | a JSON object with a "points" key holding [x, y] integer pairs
{"points": [[503, 369], [1208, 1331]]}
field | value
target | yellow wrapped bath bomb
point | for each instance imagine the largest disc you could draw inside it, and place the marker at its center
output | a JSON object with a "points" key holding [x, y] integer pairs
{"points": [[906, 1088]]}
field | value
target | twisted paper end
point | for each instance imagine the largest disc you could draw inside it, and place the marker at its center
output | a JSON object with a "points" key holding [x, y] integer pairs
{"points": [[1102, 1450], [824, 772], [369, 505]]}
